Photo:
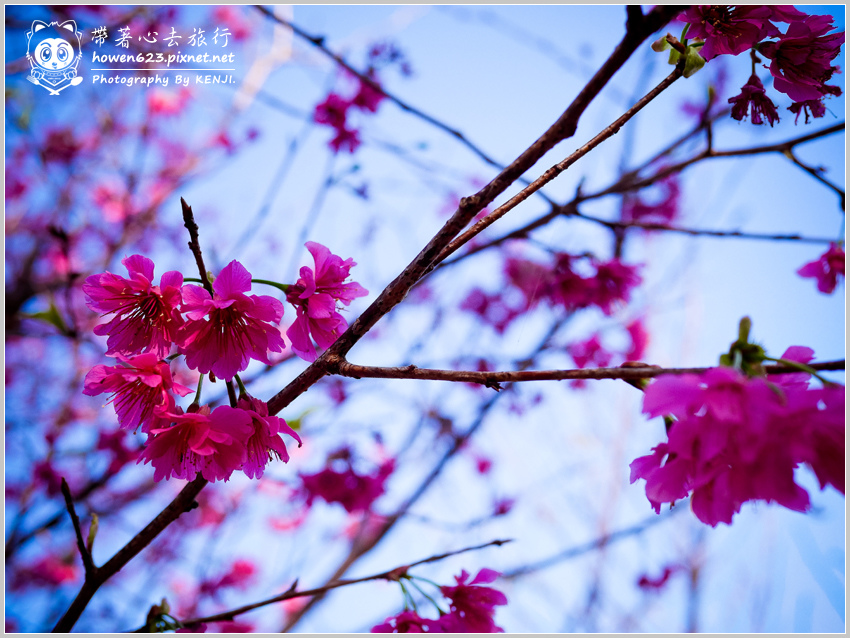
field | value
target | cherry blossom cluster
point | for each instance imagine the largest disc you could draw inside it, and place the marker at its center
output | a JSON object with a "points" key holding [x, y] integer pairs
{"points": [[343, 485], [217, 334], [471, 609], [335, 110], [800, 55], [737, 439], [606, 285]]}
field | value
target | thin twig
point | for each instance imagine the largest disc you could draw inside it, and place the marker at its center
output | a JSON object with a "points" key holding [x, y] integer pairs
{"points": [[493, 379], [88, 563], [584, 548], [782, 147], [194, 246], [553, 172], [700, 232], [816, 174], [183, 502], [390, 574]]}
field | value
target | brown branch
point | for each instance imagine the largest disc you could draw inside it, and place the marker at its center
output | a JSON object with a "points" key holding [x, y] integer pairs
{"points": [[817, 175], [493, 379], [553, 172], [782, 147], [396, 291], [194, 246], [584, 548], [88, 563], [359, 548], [390, 574], [183, 502], [319, 43], [630, 183], [700, 232]]}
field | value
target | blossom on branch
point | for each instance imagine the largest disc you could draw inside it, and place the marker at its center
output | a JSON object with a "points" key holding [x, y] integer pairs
{"points": [[315, 296], [753, 99], [139, 388], [802, 57], [728, 29], [212, 443], [265, 440], [737, 439], [472, 606], [355, 492], [223, 333], [147, 317]]}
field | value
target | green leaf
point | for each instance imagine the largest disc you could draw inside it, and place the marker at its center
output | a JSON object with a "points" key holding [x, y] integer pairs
{"points": [[693, 62], [51, 316], [661, 44], [92, 532]]}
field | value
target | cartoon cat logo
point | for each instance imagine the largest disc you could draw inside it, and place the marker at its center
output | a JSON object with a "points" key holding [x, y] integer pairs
{"points": [[53, 51]]}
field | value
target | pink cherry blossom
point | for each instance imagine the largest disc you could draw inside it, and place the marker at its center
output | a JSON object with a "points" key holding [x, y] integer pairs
{"points": [[472, 606], [222, 334], [265, 440], [753, 99], [408, 622], [737, 439], [826, 268], [212, 443], [590, 351], [639, 340], [139, 389], [355, 492], [728, 29], [146, 316], [315, 296], [663, 211], [801, 60]]}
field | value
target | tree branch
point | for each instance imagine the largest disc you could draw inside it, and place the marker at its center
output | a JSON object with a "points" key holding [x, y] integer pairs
{"points": [[194, 246], [493, 379], [390, 574], [396, 291], [88, 563], [584, 548], [559, 168]]}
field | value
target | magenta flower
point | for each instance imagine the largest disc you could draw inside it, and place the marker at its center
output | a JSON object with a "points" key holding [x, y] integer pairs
{"points": [[139, 388], [738, 439], [224, 333], [355, 492], [728, 29], [345, 139], [826, 268], [810, 108], [753, 99], [368, 98], [240, 576], [648, 583], [639, 340], [801, 59], [315, 296], [146, 316], [614, 282], [265, 440], [212, 443], [472, 606], [590, 351], [663, 211], [408, 622], [332, 111]]}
